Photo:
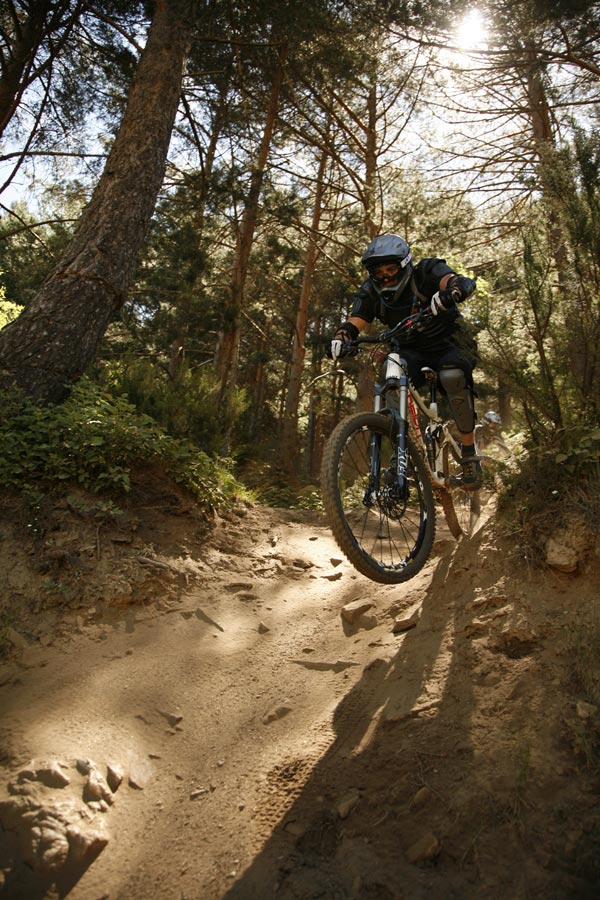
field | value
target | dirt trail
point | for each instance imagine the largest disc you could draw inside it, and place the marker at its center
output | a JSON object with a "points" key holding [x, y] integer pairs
{"points": [[271, 747]]}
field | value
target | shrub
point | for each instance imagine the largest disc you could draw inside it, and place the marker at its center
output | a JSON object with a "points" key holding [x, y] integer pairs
{"points": [[94, 440], [187, 406], [550, 485]]}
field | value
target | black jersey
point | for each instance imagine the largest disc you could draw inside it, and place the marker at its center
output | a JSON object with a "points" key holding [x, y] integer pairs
{"points": [[371, 304]]}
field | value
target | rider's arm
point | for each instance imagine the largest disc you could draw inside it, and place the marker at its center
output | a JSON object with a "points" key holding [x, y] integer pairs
{"points": [[359, 323]]}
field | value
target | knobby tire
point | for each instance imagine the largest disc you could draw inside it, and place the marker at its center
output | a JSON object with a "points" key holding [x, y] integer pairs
{"points": [[387, 539], [461, 507]]}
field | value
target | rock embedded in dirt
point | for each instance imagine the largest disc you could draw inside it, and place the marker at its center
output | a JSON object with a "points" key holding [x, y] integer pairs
{"points": [[351, 612], [49, 774], [96, 788], [172, 718], [199, 792], [278, 712], [114, 776], [140, 772], [50, 832], [426, 849], [345, 806], [17, 640], [570, 546], [262, 628], [476, 629], [422, 796], [515, 640], [405, 623]]}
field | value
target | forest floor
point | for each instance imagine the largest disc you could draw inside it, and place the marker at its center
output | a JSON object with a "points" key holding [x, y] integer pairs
{"points": [[284, 727]]}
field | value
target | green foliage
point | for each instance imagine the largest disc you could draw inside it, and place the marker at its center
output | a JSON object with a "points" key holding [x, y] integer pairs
{"points": [[551, 484], [186, 405], [8, 312], [272, 486], [95, 440], [28, 251]]}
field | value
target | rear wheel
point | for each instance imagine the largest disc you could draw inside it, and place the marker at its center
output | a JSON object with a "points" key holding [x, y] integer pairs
{"points": [[386, 537], [461, 508]]}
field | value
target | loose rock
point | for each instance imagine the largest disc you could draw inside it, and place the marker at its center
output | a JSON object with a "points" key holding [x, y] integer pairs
{"points": [[347, 803], [586, 710], [424, 850], [352, 611], [96, 788]]}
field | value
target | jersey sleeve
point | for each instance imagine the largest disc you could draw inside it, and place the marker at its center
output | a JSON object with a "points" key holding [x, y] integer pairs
{"points": [[363, 305], [428, 274]]}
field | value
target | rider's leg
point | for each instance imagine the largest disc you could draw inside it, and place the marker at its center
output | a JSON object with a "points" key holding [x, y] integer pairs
{"points": [[458, 386], [459, 391]]}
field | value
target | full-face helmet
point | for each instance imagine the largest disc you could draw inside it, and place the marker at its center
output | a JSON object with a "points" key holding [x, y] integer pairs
{"points": [[388, 261]]}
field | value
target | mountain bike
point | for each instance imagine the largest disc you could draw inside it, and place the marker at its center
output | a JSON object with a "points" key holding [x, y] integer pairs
{"points": [[383, 471]]}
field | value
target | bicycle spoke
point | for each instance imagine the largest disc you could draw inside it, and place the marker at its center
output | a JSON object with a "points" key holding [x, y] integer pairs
{"points": [[387, 537]]}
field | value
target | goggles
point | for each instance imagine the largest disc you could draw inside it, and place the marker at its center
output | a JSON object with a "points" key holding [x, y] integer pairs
{"points": [[386, 273]]}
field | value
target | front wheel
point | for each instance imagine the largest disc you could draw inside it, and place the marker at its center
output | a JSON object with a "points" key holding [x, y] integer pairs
{"points": [[386, 537]]}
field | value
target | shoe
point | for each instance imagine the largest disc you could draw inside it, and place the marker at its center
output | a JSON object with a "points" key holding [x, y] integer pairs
{"points": [[472, 473]]}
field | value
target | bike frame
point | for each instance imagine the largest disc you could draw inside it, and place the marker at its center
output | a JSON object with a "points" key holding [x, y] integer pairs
{"points": [[436, 442]]}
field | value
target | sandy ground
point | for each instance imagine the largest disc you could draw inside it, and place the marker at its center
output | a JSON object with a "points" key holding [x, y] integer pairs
{"points": [[273, 746]]}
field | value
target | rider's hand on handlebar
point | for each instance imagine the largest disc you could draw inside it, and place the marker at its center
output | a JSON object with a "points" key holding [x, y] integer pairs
{"points": [[336, 349], [441, 302], [458, 288], [342, 343]]}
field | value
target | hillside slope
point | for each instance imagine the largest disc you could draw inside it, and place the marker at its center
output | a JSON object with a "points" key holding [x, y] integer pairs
{"points": [[235, 713]]}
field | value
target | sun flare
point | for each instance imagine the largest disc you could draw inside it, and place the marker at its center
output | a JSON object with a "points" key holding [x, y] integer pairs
{"points": [[471, 31]]}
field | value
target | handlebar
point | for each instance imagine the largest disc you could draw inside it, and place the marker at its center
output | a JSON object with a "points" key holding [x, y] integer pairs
{"points": [[385, 336]]}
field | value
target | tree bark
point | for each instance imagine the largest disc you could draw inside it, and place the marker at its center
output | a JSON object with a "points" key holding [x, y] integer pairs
{"points": [[56, 337]]}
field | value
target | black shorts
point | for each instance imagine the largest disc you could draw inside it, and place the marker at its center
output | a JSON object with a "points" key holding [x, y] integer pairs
{"points": [[451, 357]]}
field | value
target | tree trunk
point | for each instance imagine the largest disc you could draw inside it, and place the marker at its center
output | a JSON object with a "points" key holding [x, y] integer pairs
{"points": [[56, 337], [543, 135], [371, 162], [290, 422], [226, 357]]}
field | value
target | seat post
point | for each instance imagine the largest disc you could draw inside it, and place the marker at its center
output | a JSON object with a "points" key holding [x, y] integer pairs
{"points": [[431, 377]]}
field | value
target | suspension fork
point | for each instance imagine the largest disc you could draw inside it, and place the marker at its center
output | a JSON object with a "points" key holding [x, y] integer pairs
{"points": [[398, 378], [402, 439]]}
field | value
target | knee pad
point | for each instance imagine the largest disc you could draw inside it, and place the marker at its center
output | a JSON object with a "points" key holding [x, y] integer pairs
{"points": [[460, 395], [453, 380]]}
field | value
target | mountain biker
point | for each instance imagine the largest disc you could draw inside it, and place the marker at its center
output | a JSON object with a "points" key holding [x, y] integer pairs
{"points": [[397, 288], [487, 432]]}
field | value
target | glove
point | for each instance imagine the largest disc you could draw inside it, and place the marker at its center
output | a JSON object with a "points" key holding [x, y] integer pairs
{"points": [[335, 349], [339, 346], [458, 288]]}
